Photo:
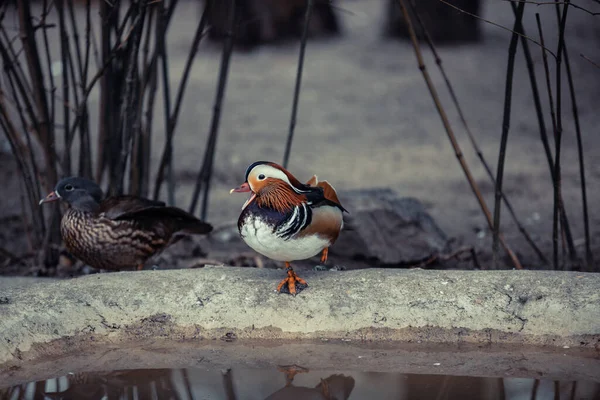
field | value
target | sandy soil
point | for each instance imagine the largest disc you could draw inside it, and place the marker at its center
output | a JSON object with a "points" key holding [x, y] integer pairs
{"points": [[367, 120]]}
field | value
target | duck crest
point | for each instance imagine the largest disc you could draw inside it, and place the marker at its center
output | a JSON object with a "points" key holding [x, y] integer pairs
{"points": [[278, 196]]}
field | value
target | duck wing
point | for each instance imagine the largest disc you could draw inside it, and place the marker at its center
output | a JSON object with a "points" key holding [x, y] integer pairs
{"points": [[123, 207], [149, 213], [324, 194]]}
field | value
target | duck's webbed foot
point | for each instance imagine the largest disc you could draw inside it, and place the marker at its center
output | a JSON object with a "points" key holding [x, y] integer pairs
{"points": [[323, 265], [293, 284]]}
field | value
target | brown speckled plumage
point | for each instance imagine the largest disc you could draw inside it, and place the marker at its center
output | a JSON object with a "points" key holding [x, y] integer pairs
{"points": [[119, 232], [107, 244]]}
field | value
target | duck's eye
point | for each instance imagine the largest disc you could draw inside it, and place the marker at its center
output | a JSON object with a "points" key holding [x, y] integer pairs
{"points": [[261, 177], [69, 188]]}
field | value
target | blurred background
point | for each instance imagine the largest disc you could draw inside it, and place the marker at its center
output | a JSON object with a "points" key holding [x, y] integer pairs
{"points": [[118, 91]]}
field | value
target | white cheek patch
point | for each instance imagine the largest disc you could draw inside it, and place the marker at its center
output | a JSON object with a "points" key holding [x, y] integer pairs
{"points": [[271, 172]]}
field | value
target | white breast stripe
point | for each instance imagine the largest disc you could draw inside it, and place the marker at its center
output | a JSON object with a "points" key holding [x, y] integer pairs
{"points": [[300, 219], [304, 221], [288, 224]]}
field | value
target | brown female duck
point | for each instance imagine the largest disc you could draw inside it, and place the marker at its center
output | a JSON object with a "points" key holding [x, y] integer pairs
{"points": [[120, 232]]}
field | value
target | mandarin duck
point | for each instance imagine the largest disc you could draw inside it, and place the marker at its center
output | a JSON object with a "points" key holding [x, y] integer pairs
{"points": [[286, 220], [119, 232]]}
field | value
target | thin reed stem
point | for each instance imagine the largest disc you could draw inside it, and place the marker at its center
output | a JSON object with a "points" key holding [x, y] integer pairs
{"points": [[512, 50], [562, 20], [589, 258], [168, 149], [554, 177], [167, 154], [450, 133], [290, 138], [64, 50], [203, 180], [498, 26], [128, 116], [42, 123], [478, 151]]}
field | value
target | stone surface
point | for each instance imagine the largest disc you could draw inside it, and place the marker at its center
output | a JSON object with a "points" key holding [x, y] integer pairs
{"points": [[387, 229], [237, 304]]}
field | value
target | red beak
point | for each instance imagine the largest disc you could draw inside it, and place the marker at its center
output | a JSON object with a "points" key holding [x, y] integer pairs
{"points": [[53, 196], [244, 187]]}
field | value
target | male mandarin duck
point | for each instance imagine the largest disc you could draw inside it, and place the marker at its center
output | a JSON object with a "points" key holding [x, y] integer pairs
{"points": [[120, 232], [286, 220]]}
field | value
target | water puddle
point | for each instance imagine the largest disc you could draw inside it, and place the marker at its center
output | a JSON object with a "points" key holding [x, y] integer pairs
{"points": [[292, 383], [295, 370]]}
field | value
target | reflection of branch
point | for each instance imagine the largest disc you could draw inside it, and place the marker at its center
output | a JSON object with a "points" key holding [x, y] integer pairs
{"points": [[186, 383], [501, 390], [574, 390], [498, 25], [228, 384], [534, 389]]}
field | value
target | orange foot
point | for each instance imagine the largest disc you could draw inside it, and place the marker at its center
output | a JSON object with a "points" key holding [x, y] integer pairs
{"points": [[322, 266], [293, 284], [324, 255]]}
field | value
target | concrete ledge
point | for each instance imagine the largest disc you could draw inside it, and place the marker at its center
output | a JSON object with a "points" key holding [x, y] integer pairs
{"points": [[538, 308]]}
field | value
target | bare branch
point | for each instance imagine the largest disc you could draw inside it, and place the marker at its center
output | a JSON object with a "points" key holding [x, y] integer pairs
{"points": [[497, 25]]}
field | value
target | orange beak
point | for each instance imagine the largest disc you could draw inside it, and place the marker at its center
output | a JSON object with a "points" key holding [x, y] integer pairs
{"points": [[53, 196]]}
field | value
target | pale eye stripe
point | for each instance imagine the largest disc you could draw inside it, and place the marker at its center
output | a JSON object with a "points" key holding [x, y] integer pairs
{"points": [[272, 172]]}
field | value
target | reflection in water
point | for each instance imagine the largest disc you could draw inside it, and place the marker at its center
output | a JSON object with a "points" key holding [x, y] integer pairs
{"points": [[336, 386], [292, 382]]}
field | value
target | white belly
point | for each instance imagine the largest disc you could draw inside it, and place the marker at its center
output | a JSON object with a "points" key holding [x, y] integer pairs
{"points": [[261, 238]]}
